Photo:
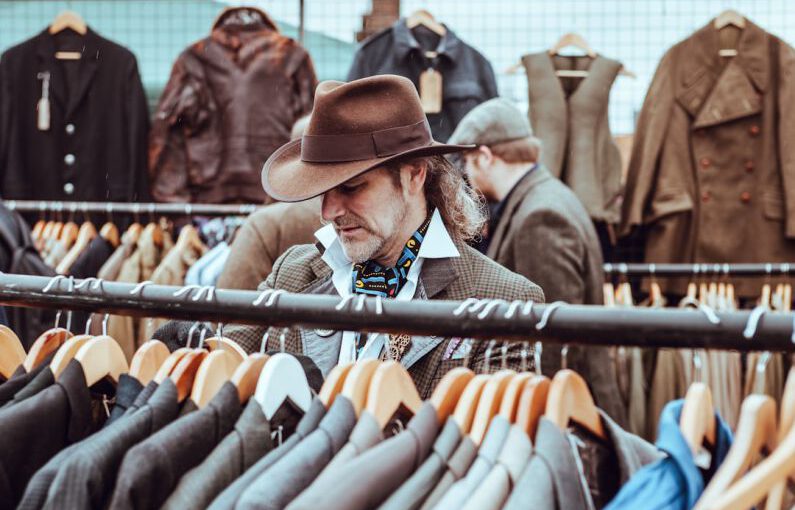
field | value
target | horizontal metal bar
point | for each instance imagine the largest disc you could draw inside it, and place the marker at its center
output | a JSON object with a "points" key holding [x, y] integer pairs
{"points": [[162, 209], [580, 324], [696, 270]]}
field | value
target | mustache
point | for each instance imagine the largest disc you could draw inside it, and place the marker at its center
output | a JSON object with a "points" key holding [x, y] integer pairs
{"points": [[347, 221]]}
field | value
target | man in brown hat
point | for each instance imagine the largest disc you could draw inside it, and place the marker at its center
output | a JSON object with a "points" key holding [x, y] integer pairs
{"points": [[397, 217]]}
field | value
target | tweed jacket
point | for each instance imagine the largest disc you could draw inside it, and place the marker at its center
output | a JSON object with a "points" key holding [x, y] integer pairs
{"points": [[710, 166], [569, 115], [262, 239], [301, 269], [545, 235]]}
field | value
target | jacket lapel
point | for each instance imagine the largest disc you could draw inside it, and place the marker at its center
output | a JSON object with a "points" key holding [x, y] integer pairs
{"points": [[88, 68]]}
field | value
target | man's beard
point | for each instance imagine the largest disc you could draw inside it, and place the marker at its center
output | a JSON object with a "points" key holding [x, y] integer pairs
{"points": [[375, 242]]}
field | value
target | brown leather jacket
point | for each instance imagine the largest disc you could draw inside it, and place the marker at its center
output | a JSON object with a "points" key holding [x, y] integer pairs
{"points": [[229, 103]]}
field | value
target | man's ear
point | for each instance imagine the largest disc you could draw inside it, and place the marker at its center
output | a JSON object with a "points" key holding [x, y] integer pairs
{"points": [[484, 157], [413, 176]]}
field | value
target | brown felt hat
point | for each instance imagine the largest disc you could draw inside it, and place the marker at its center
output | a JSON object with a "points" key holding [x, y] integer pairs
{"points": [[354, 127]]}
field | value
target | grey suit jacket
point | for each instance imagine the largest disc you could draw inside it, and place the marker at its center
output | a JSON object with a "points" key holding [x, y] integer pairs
{"points": [[457, 467], [229, 497], [545, 235], [366, 434], [151, 469], [251, 439], [370, 478], [488, 452], [412, 493], [551, 479], [284, 480], [86, 477], [495, 488]]}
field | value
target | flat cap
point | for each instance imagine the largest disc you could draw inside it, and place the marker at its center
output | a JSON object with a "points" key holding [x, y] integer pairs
{"points": [[495, 121]]}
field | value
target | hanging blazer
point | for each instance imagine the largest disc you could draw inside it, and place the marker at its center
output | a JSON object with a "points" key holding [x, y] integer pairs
{"points": [[712, 173], [577, 145]]}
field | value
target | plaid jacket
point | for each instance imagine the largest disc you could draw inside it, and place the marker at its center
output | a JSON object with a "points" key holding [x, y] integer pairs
{"points": [[302, 270]]}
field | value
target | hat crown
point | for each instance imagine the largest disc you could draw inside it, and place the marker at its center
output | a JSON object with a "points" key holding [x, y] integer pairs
{"points": [[364, 106]]}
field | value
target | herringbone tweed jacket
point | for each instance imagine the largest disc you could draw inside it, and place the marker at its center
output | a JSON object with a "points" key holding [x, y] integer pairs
{"points": [[302, 270]]}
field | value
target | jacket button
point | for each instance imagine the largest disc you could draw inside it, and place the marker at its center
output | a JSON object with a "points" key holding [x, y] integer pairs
{"points": [[70, 129], [705, 196], [754, 130], [745, 197], [69, 159], [68, 188], [706, 162], [749, 166]]}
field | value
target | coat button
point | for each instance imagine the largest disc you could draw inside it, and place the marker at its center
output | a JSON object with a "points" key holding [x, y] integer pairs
{"points": [[749, 166], [68, 188], [754, 130], [745, 197], [70, 129], [705, 196], [69, 159], [706, 162]]}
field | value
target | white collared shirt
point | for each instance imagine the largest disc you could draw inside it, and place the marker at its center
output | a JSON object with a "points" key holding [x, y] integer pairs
{"points": [[437, 244]]}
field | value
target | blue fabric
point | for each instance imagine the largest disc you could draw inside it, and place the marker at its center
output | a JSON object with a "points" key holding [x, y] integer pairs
{"points": [[202, 271], [674, 482]]}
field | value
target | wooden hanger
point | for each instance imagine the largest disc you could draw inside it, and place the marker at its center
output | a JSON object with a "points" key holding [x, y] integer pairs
{"points": [[467, 405], [57, 229], [46, 232], [509, 405], [247, 374], [84, 237], [333, 384], [609, 294], [189, 239], [217, 368], [102, 357], [147, 360], [575, 40], [570, 399], [282, 378], [110, 233], [12, 354], [422, 17], [37, 230], [47, 343], [390, 388], [697, 421], [357, 383], [154, 231], [219, 342], [66, 353], [134, 232], [70, 20], [185, 372], [448, 392], [756, 433], [532, 403], [729, 17], [69, 234], [489, 403], [764, 299], [775, 500], [170, 364]]}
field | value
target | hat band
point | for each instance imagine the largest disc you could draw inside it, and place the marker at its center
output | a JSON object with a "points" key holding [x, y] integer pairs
{"points": [[363, 146]]}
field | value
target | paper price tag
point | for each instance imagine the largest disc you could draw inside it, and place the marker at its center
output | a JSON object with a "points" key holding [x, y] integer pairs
{"points": [[431, 91]]}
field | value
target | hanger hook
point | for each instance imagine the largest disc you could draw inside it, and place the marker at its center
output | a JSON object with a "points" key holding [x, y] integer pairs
{"points": [[138, 290], [219, 331], [201, 337], [282, 339], [504, 355], [344, 302], [548, 311], [707, 310], [190, 334], [105, 324], [698, 366], [90, 282], [188, 289], [379, 305], [464, 305], [55, 279], [88, 324], [209, 289], [274, 296], [513, 307], [264, 341], [753, 321], [360, 302], [492, 304], [538, 348], [487, 356], [262, 297], [523, 355], [527, 309]]}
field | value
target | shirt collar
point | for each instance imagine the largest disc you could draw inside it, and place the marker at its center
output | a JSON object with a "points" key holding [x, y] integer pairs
{"points": [[405, 42]]}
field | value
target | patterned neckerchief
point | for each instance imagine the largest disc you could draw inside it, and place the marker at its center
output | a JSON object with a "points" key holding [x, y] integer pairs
{"points": [[374, 279]]}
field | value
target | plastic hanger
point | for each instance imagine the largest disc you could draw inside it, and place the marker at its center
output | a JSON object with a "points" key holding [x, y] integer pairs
{"points": [[448, 392], [185, 372], [729, 17], [756, 433], [147, 360], [390, 388], [465, 409], [489, 403], [422, 17], [247, 374], [110, 233], [569, 399], [532, 403], [84, 237], [70, 20], [12, 354], [101, 357], [66, 353], [170, 364], [282, 378], [333, 384], [357, 383], [217, 368], [47, 343], [697, 421]]}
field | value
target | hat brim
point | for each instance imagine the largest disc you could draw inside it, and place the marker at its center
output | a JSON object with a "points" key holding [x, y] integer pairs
{"points": [[286, 178]]}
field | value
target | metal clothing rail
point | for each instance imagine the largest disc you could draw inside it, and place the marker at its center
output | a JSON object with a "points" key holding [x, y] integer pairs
{"points": [[484, 319], [161, 209], [695, 270]]}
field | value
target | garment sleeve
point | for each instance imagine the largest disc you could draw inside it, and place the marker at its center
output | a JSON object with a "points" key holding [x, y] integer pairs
{"points": [[359, 68], [489, 82], [138, 125], [305, 82], [786, 128], [647, 143]]}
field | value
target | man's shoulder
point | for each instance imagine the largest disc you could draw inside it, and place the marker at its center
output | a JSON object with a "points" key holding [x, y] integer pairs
{"points": [[482, 278], [294, 270]]}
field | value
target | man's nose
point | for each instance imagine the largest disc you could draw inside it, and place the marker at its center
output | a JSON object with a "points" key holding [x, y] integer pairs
{"points": [[332, 207]]}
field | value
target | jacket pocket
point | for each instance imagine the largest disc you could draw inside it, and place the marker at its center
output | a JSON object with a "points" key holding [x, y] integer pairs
{"points": [[773, 205], [668, 202]]}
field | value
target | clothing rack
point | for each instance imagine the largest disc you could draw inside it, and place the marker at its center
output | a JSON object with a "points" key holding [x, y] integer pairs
{"points": [[484, 319], [696, 270], [160, 209]]}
